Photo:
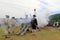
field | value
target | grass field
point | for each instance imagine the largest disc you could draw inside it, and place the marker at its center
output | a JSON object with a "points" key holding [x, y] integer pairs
{"points": [[41, 35]]}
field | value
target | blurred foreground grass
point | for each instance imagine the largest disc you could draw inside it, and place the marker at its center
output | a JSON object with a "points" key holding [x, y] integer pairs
{"points": [[41, 35]]}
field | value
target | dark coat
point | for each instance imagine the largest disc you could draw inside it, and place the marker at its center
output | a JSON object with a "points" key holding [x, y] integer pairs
{"points": [[34, 23]]}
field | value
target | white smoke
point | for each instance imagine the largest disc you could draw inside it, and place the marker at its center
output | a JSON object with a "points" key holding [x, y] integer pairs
{"points": [[42, 18], [18, 8]]}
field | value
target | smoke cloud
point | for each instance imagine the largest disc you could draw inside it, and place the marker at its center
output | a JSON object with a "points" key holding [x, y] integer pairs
{"points": [[18, 8], [43, 18]]}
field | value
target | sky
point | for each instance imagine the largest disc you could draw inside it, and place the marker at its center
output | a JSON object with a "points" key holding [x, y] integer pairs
{"points": [[19, 8]]}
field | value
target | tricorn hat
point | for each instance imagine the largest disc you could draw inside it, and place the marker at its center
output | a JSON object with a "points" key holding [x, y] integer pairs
{"points": [[34, 15]]}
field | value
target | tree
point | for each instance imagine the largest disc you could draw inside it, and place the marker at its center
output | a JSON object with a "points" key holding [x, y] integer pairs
{"points": [[55, 17]]}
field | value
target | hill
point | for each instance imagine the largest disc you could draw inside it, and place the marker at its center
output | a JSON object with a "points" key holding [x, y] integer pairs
{"points": [[55, 17]]}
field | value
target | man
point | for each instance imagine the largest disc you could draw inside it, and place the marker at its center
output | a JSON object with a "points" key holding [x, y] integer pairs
{"points": [[34, 23], [6, 26], [13, 23]]}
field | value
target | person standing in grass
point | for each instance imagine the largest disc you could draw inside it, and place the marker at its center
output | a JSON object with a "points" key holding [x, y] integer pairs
{"points": [[34, 23], [7, 26], [13, 23]]}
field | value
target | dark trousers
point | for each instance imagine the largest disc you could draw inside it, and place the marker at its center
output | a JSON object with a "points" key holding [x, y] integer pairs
{"points": [[33, 26]]}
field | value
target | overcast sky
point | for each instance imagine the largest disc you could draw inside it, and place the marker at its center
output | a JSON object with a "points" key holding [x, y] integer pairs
{"points": [[19, 8]]}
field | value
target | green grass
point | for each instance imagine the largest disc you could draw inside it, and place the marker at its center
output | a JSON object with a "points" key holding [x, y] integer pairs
{"points": [[1, 31], [41, 35]]}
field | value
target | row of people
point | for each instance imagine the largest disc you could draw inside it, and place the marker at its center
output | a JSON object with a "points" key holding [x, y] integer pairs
{"points": [[13, 23]]}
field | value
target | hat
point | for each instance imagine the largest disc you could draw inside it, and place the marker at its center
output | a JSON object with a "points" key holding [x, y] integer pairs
{"points": [[13, 17], [7, 16], [34, 15]]}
